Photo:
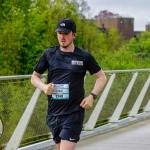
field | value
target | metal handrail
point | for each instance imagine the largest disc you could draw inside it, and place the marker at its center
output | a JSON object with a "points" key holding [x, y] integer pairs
{"points": [[44, 75]]}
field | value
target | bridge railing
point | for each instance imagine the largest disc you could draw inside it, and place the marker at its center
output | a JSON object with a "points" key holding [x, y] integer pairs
{"points": [[23, 109]]}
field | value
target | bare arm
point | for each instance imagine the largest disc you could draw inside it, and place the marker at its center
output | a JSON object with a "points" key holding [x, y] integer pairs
{"points": [[99, 84], [37, 82]]}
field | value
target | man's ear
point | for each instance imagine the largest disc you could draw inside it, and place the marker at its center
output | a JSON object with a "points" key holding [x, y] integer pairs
{"points": [[74, 34]]}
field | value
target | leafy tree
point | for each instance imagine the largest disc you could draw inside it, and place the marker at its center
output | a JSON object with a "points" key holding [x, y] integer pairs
{"points": [[12, 32], [123, 59], [112, 40], [140, 45], [27, 28]]}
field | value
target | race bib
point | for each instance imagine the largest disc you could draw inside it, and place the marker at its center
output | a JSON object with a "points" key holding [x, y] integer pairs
{"points": [[61, 92]]}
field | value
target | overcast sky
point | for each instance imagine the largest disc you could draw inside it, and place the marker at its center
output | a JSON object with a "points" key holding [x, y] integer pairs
{"points": [[137, 9]]}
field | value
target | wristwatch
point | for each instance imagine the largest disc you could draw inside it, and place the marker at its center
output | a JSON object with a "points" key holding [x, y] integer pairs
{"points": [[94, 95]]}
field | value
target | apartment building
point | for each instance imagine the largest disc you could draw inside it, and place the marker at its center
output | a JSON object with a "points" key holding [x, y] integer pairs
{"points": [[123, 25]]}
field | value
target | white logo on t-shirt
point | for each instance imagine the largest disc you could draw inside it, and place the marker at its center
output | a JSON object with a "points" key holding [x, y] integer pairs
{"points": [[77, 62]]}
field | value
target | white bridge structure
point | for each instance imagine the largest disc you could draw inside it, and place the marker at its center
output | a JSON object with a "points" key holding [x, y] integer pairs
{"points": [[126, 91]]}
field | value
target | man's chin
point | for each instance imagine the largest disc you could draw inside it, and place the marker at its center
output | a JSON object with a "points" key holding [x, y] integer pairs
{"points": [[64, 46]]}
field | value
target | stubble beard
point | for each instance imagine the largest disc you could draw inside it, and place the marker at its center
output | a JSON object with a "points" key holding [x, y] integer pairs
{"points": [[66, 46]]}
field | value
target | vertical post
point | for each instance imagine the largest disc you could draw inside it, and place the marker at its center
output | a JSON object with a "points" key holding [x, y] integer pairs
{"points": [[116, 115], [139, 100], [97, 110], [1, 128], [147, 107]]}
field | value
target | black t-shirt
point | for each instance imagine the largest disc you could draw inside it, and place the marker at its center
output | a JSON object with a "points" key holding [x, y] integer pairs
{"points": [[67, 71]]}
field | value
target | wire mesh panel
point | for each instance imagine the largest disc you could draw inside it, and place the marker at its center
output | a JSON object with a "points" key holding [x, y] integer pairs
{"points": [[117, 89], [14, 97], [37, 129]]}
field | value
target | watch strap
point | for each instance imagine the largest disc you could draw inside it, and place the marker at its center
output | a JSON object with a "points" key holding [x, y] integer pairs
{"points": [[94, 95]]}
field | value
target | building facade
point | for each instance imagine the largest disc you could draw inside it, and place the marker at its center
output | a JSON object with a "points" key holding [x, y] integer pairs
{"points": [[147, 27], [124, 26]]}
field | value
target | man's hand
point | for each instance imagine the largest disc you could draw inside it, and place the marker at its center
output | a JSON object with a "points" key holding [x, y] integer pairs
{"points": [[87, 102], [49, 88]]}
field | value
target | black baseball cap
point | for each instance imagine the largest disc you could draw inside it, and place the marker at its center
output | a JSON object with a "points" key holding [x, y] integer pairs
{"points": [[66, 25]]}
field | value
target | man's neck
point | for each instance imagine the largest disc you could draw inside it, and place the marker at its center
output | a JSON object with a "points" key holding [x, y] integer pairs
{"points": [[68, 49]]}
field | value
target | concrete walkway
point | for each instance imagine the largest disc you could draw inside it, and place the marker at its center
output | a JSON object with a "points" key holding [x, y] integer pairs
{"points": [[132, 137]]}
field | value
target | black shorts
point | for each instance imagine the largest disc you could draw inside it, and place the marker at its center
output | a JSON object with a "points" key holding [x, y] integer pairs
{"points": [[66, 127]]}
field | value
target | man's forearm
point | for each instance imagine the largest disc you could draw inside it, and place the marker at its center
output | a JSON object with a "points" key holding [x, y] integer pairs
{"points": [[99, 84], [37, 82]]}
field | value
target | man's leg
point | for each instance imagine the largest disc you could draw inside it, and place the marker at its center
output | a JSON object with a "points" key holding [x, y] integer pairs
{"points": [[58, 146], [71, 129], [67, 145]]}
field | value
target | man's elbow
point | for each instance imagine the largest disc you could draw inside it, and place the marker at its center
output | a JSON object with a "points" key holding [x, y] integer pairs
{"points": [[104, 79], [32, 79]]}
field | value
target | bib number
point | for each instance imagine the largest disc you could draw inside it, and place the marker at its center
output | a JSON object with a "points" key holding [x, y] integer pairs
{"points": [[61, 92]]}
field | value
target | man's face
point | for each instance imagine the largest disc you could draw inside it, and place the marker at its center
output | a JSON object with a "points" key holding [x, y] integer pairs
{"points": [[65, 39]]}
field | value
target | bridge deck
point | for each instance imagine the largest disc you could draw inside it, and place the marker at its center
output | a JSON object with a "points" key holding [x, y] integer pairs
{"points": [[132, 137]]}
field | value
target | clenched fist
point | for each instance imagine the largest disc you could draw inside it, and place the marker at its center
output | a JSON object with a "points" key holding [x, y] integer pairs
{"points": [[87, 102], [49, 88]]}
